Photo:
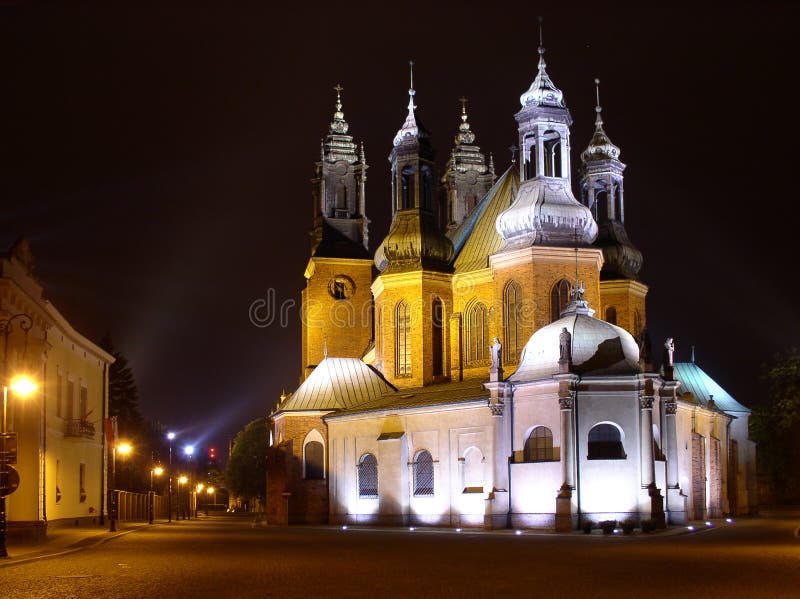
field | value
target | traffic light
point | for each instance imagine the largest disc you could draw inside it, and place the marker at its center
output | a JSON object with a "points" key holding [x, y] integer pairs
{"points": [[212, 453]]}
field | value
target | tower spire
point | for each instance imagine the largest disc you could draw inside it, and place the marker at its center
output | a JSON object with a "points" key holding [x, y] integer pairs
{"points": [[598, 121], [410, 127], [339, 126]]}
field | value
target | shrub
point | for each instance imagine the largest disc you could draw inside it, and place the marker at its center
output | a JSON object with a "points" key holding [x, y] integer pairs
{"points": [[587, 527], [608, 526], [648, 525], [628, 526]]}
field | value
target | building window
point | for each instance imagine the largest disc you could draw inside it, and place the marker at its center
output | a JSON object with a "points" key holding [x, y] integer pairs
{"points": [[407, 187], [84, 403], [530, 161], [59, 394], [605, 443], [512, 322], [368, 476], [402, 342], [559, 298], [611, 315], [437, 328], [82, 481], [70, 400], [314, 460], [539, 445], [473, 470], [427, 187], [477, 335], [423, 473]]}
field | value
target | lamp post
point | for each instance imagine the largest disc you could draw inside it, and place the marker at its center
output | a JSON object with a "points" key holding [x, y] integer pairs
{"points": [[157, 471], [22, 387], [188, 451], [211, 491], [181, 481], [198, 493], [113, 505], [171, 438]]}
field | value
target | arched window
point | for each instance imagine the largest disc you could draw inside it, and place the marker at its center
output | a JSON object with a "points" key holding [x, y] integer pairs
{"points": [[368, 476], [477, 334], [530, 161], [539, 445], [605, 443], [427, 186], [611, 315], [473, 470], [423, 473], [552, 154], [512, 322], [559, 298], [618, 212], [437, 326], [601, 201], [407, 187], [637, 324], [402, 340], [314, 460]]}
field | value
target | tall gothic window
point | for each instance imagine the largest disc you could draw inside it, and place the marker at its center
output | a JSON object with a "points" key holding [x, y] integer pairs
{"points": [[512, 321], [601, 200], [552, 154], [605, 443], [539, 445], [314, 460], [407, 187], [427, 186], [559, 298], [368, 476], [477, 334], [402, 340], [423, 473], [611, 315], [437, 326]]}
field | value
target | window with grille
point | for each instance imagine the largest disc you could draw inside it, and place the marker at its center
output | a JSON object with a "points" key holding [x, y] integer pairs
{"points": [[314, 460], [559, 298], [539, 445], [512, 322], [402, 340], [477, 335], [368, 476], [605, 443], [423, 473]]}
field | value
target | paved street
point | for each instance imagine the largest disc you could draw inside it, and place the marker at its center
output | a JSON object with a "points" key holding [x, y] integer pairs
{"points": [[234, 557]]}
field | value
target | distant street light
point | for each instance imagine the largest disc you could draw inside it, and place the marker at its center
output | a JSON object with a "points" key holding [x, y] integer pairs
{"points": [[171, 438], [22, 387], [181, 481], [154, 471]]}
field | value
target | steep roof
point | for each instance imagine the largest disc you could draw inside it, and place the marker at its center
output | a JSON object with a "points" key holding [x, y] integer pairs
{"points": [[337, 384], [696, 381], [417, 397], [477, 238]]}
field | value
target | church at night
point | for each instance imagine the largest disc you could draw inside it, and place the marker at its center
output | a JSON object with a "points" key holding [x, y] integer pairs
{"points": [[489, 364]]}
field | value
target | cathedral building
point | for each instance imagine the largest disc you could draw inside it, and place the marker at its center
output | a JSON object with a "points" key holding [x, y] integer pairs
{"points": [[490, 364]]}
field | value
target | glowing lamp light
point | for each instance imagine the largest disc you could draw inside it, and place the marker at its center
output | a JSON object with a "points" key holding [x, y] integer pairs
{"points": [[200, 487], [518, 532], [124, 448], [458, 530], [729, 520], [709, 524], [210, 490], [690, 528], [158, 471], [170, 436], [411, 529], [344, 527], [183, 480], [23, 386]]}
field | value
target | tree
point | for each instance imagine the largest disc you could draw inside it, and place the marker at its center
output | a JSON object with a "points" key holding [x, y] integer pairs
{"points": [[775, 426], [246, 473]]}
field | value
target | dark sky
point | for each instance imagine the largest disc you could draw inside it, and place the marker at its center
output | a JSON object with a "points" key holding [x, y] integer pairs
{"points": [[158, 157]]}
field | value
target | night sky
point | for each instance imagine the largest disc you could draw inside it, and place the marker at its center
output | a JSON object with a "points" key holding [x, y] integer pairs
{"points": [[158, 157]]}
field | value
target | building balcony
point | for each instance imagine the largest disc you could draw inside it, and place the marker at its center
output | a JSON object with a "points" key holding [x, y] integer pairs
{"points": [[79, 428]]}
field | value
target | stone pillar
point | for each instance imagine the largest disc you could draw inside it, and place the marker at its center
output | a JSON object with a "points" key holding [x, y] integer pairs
{"points": [[498, 501], [566, 404], [646, 437], [676, 501]]}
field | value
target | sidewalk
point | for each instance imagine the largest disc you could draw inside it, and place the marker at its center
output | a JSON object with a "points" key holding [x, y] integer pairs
{"points": [[64, 540]]}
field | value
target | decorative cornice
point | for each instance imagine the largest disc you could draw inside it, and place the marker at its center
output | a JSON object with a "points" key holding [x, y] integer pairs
{"points": [[544, 254]]}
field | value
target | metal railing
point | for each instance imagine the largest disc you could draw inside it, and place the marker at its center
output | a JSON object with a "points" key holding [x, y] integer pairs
{"points": [[79, 428]]}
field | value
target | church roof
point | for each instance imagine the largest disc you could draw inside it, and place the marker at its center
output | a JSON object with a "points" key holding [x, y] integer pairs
{"points": [[697, 382], [417, 397], [337, 384], [477, 238]]}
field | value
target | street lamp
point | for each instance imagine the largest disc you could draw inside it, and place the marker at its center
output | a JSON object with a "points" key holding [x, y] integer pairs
{"points": [[22, 387], [188, 452], [123, 449], [157, 471], [171, 438], [181, 481], [211, 491]]}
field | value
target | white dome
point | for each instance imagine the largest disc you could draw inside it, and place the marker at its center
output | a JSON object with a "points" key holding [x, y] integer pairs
{"points": [[598, 348]]}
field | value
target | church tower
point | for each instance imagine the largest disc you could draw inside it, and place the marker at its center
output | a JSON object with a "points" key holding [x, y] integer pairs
{"points": [[337, 303], [413, 292], [546, 232], [467, 178], [602, 191]]}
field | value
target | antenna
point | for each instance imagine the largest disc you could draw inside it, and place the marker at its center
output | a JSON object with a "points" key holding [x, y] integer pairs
{"points": [[411, 69], [541, 37], [598, 121]]}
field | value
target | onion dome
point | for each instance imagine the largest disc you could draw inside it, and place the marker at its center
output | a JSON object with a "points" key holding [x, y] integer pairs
{"points": [[414, 242], [596, 347], [545, 212], [600, 148], [542, 92]]}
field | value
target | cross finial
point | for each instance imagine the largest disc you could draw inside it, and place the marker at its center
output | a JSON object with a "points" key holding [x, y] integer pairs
{"points": [[339, 89]]}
